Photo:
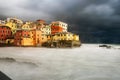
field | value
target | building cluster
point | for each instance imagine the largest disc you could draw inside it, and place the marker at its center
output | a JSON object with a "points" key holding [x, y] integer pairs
{"points": [[15, 31]]}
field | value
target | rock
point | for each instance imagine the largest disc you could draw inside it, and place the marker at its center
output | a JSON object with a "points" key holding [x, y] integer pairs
{"points": [[106, 46]]}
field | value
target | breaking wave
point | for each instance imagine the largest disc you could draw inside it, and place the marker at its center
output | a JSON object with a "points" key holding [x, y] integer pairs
{"points": [[13, 60]]}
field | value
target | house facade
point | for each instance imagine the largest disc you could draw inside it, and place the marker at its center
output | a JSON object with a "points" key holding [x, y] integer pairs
{"points": [[22, 38], [58, 26], [5, 33], [65, 36]]}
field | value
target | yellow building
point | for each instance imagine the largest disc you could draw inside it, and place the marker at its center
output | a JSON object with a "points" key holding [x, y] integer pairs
{"points": [[63, 39], [65, 36], [27, 26], [37, 37], [14, 23], [22, 38], [27, 41], [76, 37], [13, 26]]}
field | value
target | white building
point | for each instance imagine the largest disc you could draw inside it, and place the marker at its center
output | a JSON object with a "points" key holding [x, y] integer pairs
{"points": [[15, 19], [2, 22], [61, 24], [46, 29]]}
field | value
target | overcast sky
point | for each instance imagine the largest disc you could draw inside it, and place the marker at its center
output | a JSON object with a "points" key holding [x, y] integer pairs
{"points": [[92, 16]]}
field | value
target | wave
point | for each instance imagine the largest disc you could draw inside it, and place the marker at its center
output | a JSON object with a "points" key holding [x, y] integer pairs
{"points": [[13, 60]]}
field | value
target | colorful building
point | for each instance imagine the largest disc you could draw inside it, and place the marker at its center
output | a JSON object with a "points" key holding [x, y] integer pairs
{"points": [[32, 37], [22, 38], [37, 37], [63, 39], [5, 33], [14, 24], [58, 26], [15, 20], [46, 29], [27, 26], [65, 36], [36, 33], [40, 24]]}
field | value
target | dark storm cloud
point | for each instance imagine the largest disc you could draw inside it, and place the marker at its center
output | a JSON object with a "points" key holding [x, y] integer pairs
{"points": [[96, 19]]}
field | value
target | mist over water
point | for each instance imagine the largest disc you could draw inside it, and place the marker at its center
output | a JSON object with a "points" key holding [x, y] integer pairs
{"points": [[88, 62]]}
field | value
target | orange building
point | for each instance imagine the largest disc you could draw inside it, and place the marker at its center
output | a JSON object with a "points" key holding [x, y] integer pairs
{"points": [[58, 26], [22, 38], [32, 37], [37, 37], [5, 33]]}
